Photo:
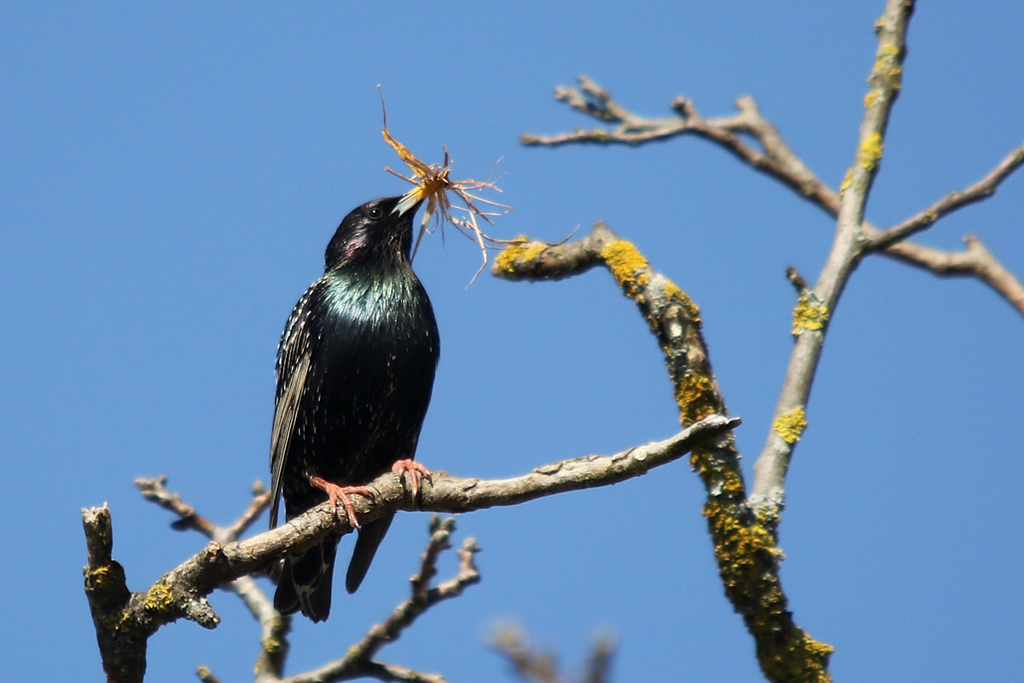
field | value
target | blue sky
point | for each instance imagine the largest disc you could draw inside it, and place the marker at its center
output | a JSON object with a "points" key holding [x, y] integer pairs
{"points": [[169, 177]]}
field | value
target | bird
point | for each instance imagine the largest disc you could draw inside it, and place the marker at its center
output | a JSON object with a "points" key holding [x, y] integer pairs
{"points": [[355, 371]]}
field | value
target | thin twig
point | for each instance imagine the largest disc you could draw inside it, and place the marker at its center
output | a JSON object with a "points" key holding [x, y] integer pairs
{"points": [[260, 502], [976, 260], [358, 660], [533, 665], [527, 662], [206, 676], [154, 490], [273, 625], [957, 199]]}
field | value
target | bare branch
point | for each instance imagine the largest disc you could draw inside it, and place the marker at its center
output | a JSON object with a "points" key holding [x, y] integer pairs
{"points": [[358, 660], [124, 620], [776, 159], [206, 676], [423, 597], [123, 651], [797, 280], [599, 664], [274, 628], [528, 663], [260, 502], [274, 625], [958, 199], [854, 238], [531, 664], [154, 490], [976, 261], [391, 672]]}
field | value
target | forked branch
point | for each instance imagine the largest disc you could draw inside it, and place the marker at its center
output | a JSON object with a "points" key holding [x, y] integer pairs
{"points": [[771, 154]]}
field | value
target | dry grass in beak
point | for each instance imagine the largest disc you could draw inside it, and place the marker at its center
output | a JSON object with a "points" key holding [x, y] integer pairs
{"points": [[432, 183]]}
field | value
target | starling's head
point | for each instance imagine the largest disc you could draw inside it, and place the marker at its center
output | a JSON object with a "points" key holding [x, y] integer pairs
{"points": [[378, 232]]}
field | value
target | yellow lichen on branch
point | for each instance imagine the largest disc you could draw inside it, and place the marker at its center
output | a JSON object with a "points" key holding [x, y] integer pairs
{"points": [[696, 397], [809, 314], [871, 151], [159, 597], [748, 557], [888, 66], [627, 266], [791, 425], [518, 249]]}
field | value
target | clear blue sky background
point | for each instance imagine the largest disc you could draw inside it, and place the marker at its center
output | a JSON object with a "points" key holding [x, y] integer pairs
{"points": [[170, 174]]}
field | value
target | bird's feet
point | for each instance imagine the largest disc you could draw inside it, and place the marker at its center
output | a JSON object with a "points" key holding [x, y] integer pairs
{"points": [[342, 493], [414, 470]]}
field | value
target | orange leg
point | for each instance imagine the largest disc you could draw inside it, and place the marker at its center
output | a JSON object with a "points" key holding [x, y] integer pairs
{"points": [[342, 493], [414, 470]]}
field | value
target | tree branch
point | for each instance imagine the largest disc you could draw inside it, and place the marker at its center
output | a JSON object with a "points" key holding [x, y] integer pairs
{"points": [[124, 620], [528, 663], [814, 309], [957, 199], [745, 540], [358, 660], [274, 626], [975, 261], [854, 238], [776, 159], [535, 666]]}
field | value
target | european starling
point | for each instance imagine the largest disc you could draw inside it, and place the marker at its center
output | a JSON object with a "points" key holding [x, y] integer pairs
{"points": [[355, 369]]}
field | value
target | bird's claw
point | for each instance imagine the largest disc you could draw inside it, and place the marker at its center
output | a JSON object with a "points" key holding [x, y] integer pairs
{"points": [[414, 470], [341, 493]]}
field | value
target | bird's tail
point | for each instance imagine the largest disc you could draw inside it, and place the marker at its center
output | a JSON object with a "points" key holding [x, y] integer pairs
{"points": [[370, 536], [306, 581]]}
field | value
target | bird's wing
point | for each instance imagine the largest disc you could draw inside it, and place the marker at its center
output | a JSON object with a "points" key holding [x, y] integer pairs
{"points": [[284, 422], [293, 361]]}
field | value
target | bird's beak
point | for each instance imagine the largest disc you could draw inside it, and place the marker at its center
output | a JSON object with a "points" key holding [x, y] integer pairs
{"points": [[409, 201]]}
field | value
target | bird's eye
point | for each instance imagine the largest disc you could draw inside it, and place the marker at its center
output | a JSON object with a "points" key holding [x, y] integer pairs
{"points": [[376, 213]]}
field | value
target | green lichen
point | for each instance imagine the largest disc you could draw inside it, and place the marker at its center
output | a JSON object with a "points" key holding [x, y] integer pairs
{"points": [[522, 250], [628, 267], [871, 98], [871, 151], [791, 425], [809, 314]]}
